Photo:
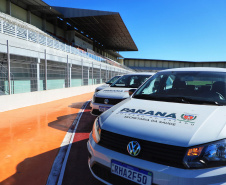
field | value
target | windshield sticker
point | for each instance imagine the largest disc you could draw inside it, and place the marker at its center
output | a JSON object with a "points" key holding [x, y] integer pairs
{"points": [[120, 85], [110, 91], [156, 116]]}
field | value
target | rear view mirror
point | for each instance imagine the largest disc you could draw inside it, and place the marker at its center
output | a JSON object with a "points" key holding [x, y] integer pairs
{"points": [[131, 91]]}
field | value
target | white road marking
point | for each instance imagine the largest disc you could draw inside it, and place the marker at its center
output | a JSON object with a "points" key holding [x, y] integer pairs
{"points": [[57, 172]]}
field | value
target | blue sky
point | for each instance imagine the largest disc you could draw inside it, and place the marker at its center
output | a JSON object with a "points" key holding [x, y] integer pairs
{"points": [[186, 30]]}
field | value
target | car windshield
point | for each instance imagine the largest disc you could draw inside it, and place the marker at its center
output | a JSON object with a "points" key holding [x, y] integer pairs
{"points": [[197, 87], [130, 81], [112, 80]]}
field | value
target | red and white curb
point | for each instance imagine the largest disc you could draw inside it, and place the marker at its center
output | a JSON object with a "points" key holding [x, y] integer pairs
{"points": [[57, 172]]}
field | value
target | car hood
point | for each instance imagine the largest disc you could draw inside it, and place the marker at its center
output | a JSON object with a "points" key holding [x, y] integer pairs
{"points": [[113, 92], [166, 122], [102, 87]]}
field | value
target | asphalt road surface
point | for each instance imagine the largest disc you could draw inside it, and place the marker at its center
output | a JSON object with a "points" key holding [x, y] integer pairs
{"points": [[77, 171]]}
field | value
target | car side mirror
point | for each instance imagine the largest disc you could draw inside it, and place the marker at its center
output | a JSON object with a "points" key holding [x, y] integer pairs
{"points": [[131, 91]]}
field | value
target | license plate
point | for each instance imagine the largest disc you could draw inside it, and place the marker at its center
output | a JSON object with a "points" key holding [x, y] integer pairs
{"points": [[131, 173], [102, 109]]}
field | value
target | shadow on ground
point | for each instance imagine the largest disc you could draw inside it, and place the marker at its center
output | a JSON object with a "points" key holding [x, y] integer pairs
{"points": [[63, 122], [35, 170], [31, 170], [76, 105]]}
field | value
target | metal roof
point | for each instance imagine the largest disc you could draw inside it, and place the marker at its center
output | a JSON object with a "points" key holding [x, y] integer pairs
{"points": [[211, 69], [106, 27]]}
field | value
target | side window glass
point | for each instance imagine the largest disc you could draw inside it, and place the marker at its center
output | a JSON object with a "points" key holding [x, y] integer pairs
{"points": [[131, 81], [153, 86], [169, 82]]}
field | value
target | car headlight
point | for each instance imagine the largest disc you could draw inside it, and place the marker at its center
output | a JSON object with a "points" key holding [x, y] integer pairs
{"points": [[94, 98], [96, 132], [206, 156]]}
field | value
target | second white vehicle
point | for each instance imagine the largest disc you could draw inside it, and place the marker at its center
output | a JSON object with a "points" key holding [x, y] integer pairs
{"points": [[118, 91], [108, 83]]}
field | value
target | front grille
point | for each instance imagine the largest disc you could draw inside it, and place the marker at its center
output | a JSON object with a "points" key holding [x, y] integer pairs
{"points": [[111, 101], [96, 112], [150, 151], [105, 173]]}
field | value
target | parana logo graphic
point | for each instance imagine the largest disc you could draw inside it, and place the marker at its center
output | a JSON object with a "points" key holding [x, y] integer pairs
{"points": [[188, 118], [149, 113]]}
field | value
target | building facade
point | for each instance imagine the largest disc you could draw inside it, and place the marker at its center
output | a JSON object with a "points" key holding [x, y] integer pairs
{"points": [[157, 65]]}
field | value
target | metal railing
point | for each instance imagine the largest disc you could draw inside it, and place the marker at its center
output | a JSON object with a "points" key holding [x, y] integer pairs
{"points": [[29, 74]]}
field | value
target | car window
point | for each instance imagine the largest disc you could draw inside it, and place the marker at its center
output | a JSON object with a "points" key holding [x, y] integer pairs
{"points": [[130, 81], [169, 81], [112, 80]]}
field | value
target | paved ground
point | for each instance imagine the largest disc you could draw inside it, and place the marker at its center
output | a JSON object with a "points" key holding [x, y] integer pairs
{"points": [[77, 170], [30, 138]]}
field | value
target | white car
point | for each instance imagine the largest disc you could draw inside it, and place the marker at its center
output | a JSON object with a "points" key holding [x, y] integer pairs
{"points": [[108, 83], [118, 91], [171, 131]]}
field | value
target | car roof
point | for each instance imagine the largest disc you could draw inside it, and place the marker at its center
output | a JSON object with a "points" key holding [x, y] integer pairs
{"points": [[141, 73], [197, 69]]}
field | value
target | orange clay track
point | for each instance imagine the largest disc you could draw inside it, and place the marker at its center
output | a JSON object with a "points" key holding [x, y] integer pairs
{"points": [[30, 138]]}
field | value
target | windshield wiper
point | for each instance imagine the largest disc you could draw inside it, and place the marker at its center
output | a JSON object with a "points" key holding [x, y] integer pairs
{"points": [[179, 99], [195, 101], [150, 97], [119, 86]]}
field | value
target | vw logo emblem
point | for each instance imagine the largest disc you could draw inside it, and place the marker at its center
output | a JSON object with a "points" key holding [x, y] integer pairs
{"points": [[106, 101], [133, 148]]}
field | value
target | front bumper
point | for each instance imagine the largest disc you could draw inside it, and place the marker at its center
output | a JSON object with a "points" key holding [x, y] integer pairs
{"points": [[100, 163], [95, 108]]}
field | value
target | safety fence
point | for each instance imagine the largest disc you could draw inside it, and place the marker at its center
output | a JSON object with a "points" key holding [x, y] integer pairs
{"points": [[29, 74]]}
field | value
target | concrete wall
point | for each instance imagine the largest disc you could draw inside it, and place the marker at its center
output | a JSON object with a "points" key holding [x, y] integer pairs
{"points": [[18, 12], [36, 21], [15, 101], [49, 27], [3, 6], [60, 32]]}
